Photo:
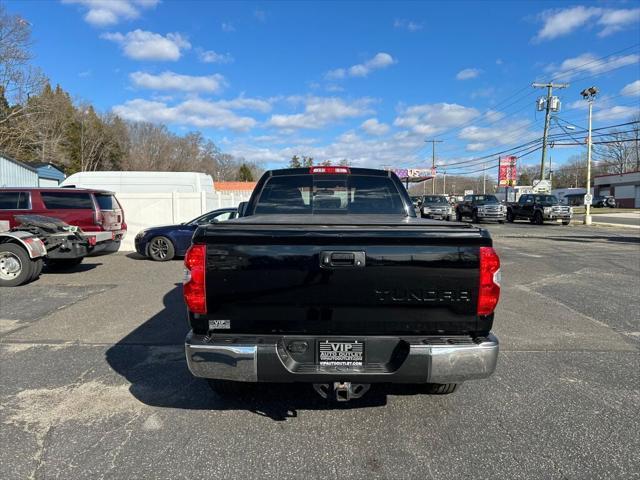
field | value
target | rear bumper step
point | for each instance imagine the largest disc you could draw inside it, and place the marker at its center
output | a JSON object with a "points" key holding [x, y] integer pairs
{"points": [[247, 358]]}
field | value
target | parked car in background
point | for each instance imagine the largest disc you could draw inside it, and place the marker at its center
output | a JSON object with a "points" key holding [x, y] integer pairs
{"points": [[436, 206], [96, 212], [166, 242], [607, 201], [538, 208], [480, 208]]}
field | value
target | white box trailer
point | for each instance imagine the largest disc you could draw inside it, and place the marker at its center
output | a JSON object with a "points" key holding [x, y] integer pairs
{"points": [[142, 182]]}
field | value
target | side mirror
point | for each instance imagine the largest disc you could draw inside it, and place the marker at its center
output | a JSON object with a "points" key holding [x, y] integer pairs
{"points": [[242, 207]]}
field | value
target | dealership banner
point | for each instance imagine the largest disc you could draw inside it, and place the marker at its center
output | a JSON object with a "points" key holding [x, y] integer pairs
{"points": [[413, 172], [507, 171]]}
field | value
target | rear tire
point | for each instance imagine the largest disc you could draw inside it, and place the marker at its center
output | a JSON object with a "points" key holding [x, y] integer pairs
{"points": [[537, 218], [565, 222], [161, 249], [38, 264], [510, 217], [16, 267], [441, 388], [458, 216], [228, 387]]}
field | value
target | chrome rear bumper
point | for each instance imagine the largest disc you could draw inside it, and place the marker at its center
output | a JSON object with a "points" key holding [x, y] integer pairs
{"points": [[254, 362]]}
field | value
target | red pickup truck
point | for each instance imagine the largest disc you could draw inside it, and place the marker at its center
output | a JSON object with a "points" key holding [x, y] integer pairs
{"points": [[96, 212]]}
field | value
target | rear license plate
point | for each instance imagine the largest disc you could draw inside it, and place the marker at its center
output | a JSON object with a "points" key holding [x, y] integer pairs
{"points": [[341, 353]]}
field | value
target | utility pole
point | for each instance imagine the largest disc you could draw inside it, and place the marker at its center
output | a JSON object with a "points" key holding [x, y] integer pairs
{"points": [[484, 178], [433, 162], [549, 107], [444, 183], [589, 94]]}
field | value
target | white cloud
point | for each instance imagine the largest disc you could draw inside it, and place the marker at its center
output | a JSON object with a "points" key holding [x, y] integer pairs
{"points": [[468, 73], [379, 61], [409, 25], [430, 119], [493, 115], [374, 127], [557, 23], [503, 133], [144, 45], [193, 112], [209, 56], [320, 111], [476, 147], [561, 22], [631, 90], [260, 15], [244, 103], [102, 13], [616, 20], [359, 151], [227, 27], [174, 81], [589, 63], [617, 112]]}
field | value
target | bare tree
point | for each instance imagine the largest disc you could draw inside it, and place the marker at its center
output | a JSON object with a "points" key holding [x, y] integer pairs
{"points": [[18, 78]]}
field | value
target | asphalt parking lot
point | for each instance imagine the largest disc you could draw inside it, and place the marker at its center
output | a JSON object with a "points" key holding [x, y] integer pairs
{"points": [[94, 384]]}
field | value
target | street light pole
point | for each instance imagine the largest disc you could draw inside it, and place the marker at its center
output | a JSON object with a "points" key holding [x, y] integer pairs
{"points": [[589, 94]]}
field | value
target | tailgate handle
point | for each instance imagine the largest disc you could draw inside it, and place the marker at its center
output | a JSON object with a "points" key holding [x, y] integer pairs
{"points": [[342, 259]]}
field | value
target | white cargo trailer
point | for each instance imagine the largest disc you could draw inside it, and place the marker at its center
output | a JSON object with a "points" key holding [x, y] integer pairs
{"points": [[142, 182]]}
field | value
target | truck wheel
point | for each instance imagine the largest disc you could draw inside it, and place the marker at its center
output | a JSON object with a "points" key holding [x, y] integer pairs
{"points": [[458, 216], [448, 218], [500, 222], [161, 249], [16, 266], [537, 218], [227, 387], [37, 268], [441, 388], [510, 217], [64, 264], [565, 222]]}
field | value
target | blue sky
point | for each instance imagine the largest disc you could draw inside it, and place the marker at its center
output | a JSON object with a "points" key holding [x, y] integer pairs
{"points": [[366, 81]]}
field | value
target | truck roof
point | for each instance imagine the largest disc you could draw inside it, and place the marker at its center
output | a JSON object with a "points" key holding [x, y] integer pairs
{"points": [[54, 189], [307, 170]]}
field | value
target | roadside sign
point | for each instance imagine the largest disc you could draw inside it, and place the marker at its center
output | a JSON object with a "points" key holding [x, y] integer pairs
{"points": [[588, 198], [468, 192], [507, 171], [541, 186]]}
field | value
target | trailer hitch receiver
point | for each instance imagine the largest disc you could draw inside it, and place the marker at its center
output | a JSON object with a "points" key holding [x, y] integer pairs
{"points": [[341, 391]]}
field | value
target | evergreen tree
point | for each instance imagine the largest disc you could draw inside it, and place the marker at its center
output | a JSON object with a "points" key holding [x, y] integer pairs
{"points": [[244, 173], [295, 162]]}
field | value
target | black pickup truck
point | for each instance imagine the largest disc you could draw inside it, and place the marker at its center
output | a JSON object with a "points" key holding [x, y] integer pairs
{"points": [[329, 278], [538, 208], [481, 208]]}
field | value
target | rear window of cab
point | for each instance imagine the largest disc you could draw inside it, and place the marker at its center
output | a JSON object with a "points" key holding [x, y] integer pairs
{"points": [[320, 194]]}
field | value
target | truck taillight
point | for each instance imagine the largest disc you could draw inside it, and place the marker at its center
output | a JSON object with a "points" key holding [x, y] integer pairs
{"points": [[194, 291], [99, 218], [489, 291], [315, 170]]}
